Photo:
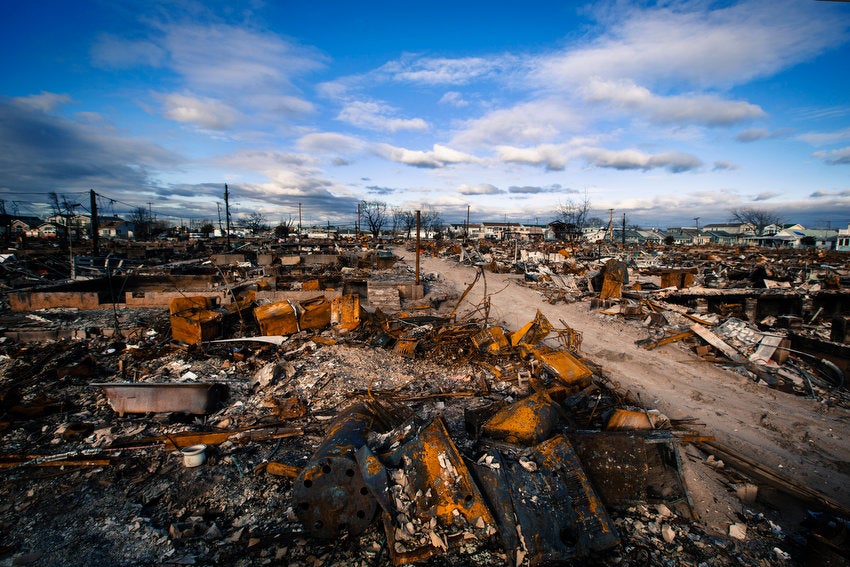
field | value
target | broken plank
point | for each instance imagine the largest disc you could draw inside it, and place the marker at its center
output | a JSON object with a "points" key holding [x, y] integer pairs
{"points": [[189, 438], [12, 461], [716, 342], [282, 469], [667, 340]]}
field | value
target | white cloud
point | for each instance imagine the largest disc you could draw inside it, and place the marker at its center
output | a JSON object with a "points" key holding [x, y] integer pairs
{"points": [[766, 196], [113, 52], [824, 138], [45, 101], [753, 135], [708, 110], [235, 58], [534, 189], [204, 112], [441, 70], [676, 162], [479, 189], [552, 157], [533, 122], [724, 166], [281, 105], [372, 116], [820, 193], [330, 142], [835, 157], [453, 98], [693, 43], [439, 157], [756, 134]]}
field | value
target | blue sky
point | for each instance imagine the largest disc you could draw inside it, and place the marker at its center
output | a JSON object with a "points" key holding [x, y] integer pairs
{"points": [[663, 111]]}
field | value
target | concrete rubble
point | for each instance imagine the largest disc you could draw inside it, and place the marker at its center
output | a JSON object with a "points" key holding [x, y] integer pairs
{"points": [[350, 412]]}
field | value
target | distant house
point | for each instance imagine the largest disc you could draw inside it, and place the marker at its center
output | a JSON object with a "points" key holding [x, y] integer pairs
{"points": [[116, 227], [591, 234], [46, 230], [78, 225], [796, 236], [843, 239], [25, 226], [726, 238], [495, 230], [730, 228], [680, 236], [651, 236]]}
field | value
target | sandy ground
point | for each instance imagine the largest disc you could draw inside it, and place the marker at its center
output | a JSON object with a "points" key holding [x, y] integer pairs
{"points": [[800, 437]]}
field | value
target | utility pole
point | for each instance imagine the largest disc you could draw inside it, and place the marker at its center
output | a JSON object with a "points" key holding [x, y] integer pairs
{"points": [[418, 246], [611, 225], [218, 204], [623, 238], [299, 228], [227, 214], [95, 225], [357, 224], [466, 229]]}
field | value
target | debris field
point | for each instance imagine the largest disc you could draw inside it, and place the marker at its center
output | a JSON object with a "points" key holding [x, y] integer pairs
{"points": [[500, 407]]}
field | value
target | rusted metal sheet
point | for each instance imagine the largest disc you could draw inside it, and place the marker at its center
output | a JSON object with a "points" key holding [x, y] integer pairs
{"points": [[144, 397], [630, 468], [614, 274], [195, 327], [532, 332], [280, 318], [345, 312], [179, 305], [330, 494], [565, 367], [677, 278], [443, 490], [193, 320], [315, 313], [528, 421], [547, 509], [491, 340]]}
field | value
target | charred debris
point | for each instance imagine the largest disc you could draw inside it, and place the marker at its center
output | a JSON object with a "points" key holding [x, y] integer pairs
{"points": [[329, 406]]}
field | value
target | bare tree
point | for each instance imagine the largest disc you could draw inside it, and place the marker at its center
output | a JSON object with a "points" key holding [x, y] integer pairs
{"points": [[574, 215], [408, 222], [432, 222], [758, 218], [254, 222], [397, 219], [140, 218], [375, 213], [284, 229]]}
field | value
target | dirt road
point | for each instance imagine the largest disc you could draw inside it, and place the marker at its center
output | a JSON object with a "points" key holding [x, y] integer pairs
{"points": [[801, 437]]}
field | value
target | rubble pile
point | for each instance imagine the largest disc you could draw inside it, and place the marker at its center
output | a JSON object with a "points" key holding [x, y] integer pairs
{"points": [[318, 430]]}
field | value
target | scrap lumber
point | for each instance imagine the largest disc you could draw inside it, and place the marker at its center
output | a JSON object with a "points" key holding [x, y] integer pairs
{"points": [[282, 469], [778, 480], [669, 339], [716, 342], [12, 461], [189, 438]]}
